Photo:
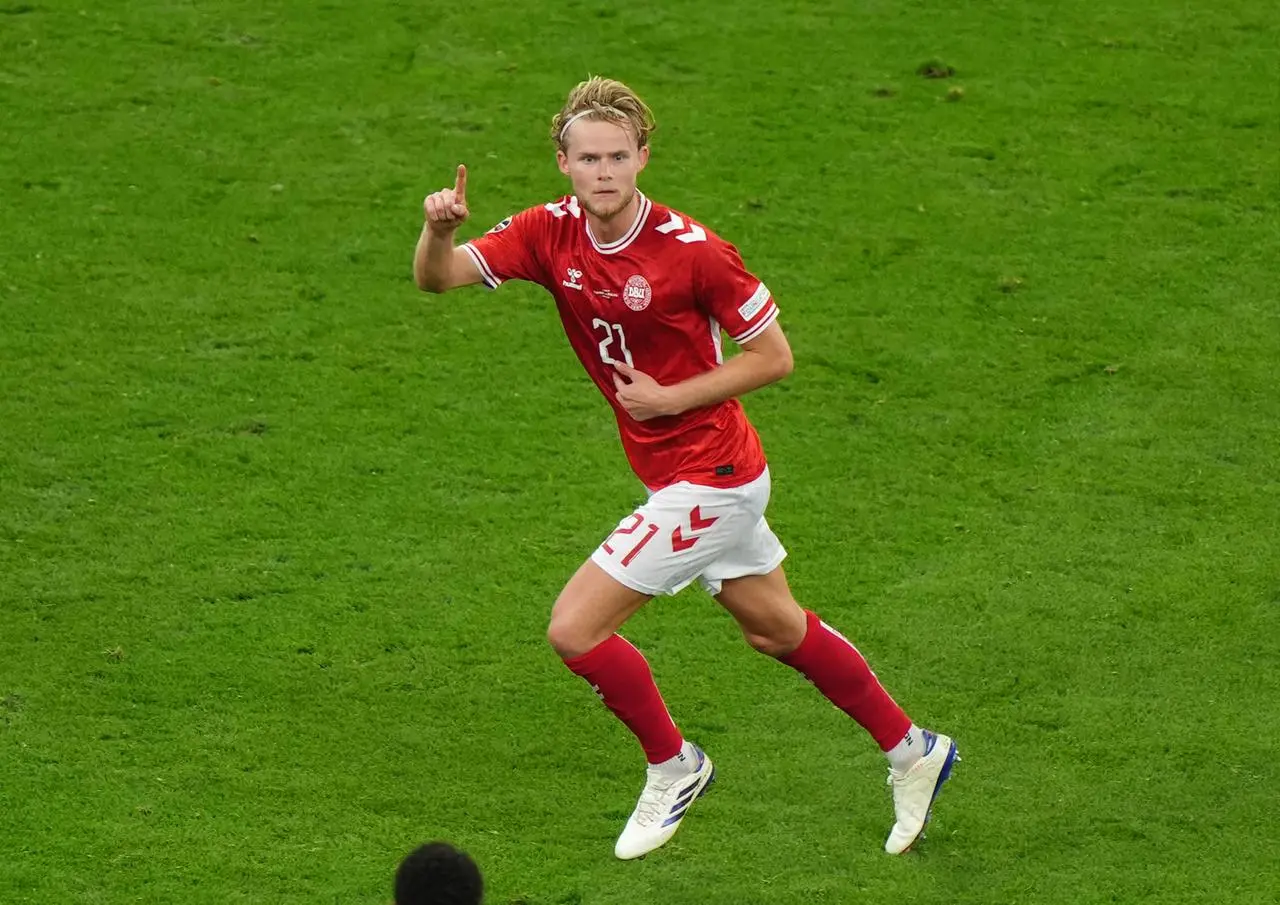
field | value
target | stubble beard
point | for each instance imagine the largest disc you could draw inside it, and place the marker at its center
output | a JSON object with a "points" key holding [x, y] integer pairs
{"points": [[608, 213]]}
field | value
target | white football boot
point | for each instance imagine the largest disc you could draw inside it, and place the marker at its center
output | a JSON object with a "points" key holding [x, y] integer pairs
{"points": [[664, 801], [915, 789]]}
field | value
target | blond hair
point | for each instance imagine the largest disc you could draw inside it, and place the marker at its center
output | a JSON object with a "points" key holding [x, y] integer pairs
{"points": [[604, 99]]}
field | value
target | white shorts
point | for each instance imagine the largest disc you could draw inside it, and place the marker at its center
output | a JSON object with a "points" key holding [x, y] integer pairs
{"points": [[688, 531]]}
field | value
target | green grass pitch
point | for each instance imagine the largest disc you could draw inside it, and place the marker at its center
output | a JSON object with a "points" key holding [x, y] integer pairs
{"points": [[279, 534]]}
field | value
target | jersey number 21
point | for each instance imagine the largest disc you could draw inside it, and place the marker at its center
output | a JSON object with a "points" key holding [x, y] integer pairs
{"points": [[613, 333]]}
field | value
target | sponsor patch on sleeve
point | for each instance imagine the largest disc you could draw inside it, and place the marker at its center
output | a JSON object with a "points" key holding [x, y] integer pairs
{"points": [[751, 307], [501, 226]]}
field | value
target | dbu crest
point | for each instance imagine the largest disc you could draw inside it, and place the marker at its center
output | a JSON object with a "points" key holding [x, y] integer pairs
{"points": [[637, 294]]}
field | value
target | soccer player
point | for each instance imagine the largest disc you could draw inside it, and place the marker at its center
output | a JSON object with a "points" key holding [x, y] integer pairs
{"points": [[438, 874], [644, 292]]}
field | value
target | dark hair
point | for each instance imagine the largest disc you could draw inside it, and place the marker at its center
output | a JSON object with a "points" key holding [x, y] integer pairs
{"points": [[438, 874]]}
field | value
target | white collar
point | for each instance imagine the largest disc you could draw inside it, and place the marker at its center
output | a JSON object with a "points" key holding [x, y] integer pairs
{"points": [[612, 248]]}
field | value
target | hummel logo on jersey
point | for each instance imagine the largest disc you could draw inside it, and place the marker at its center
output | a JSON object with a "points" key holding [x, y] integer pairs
{"points": [[572, 282], [696, 523], [695, 234], [560, 209]]}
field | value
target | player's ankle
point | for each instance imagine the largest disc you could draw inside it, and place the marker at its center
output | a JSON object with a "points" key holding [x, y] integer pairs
{"points": [[903, 756], [681, 764]]}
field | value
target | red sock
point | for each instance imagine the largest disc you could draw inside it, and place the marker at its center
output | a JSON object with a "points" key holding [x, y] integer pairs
{"points": [[828, 660], [620, 675]]}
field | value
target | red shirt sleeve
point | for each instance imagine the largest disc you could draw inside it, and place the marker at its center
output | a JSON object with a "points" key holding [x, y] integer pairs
{"points": [[732, 294], [512, 250]]}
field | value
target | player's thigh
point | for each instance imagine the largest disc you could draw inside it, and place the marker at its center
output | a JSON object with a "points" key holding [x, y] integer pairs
{"points": [[764, 608], [591, 607], [756, 550], [670, 540]]}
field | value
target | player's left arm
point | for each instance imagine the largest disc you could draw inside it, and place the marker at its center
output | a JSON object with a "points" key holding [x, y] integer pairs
{"points": [[764, 360], [740, 303]]}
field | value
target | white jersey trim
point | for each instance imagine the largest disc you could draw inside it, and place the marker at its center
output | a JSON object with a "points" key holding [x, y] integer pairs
{"points": [[486, 272], [751, 307], [770, 315], [612, 248]]}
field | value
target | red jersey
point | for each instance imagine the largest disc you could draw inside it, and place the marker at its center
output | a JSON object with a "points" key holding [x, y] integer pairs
{"points": [[655, 299]]}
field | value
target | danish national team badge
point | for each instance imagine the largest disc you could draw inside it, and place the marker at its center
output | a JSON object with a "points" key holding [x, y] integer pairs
{"points": [[637, 293]]}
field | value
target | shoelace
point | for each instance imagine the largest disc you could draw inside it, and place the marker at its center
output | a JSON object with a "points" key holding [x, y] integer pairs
{"points": [[650, 806]]}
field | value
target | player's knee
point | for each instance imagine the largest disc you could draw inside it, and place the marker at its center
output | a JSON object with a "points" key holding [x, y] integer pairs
{"points": [[777, 642], [567, 639]]}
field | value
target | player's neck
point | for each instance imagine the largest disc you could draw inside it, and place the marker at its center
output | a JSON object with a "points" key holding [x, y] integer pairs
{"points": [[609, 231]]}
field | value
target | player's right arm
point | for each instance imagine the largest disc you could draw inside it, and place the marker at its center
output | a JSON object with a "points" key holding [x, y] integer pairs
{"points": [[439, 265]]}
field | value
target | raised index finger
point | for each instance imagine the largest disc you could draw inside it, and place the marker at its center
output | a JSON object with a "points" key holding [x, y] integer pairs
{"points": [[460, 184]]}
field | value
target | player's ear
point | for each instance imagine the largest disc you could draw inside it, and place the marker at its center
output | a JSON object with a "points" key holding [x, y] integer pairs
{"points": [[562, 160], [644, 157]]}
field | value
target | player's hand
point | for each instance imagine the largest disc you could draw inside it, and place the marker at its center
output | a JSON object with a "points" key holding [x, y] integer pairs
{"points": [[446, 209], [641, 395]]}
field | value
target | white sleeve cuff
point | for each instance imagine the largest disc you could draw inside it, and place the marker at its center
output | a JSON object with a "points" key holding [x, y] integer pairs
{"points": [[486, 272], [767, 317]]}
